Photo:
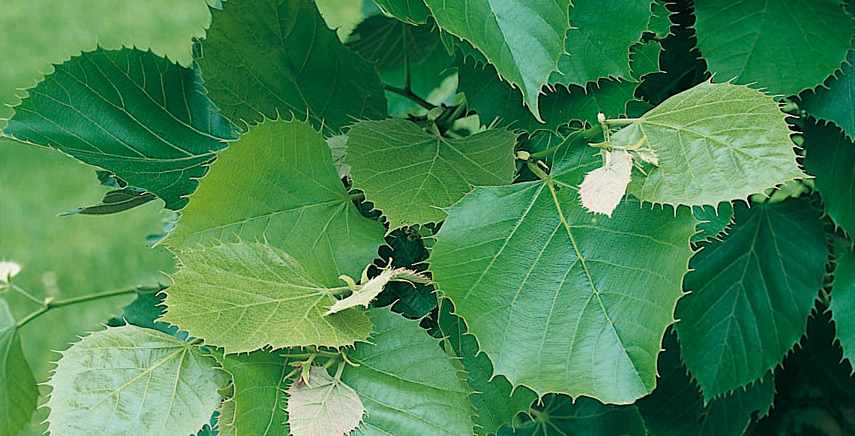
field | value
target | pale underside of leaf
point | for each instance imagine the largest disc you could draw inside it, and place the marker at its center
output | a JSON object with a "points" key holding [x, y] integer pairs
{"points": [[323, 406], [603, 188]]}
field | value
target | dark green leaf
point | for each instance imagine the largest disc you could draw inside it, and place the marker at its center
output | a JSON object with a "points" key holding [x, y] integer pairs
{"points": [[834, 101], [410, 11], [406, 248], [843, 303], [660, 22], [116, 201], [751, 294], [830, 158], [130, 112], [277, 58], [561, 416], [144, 312], [18, 391], [712, 222]]}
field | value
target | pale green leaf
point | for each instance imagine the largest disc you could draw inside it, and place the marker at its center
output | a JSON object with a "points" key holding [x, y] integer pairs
{"points": [[598, 44], [409, 173], [247, 296], [322, 405], [130, 380], [576, 307], [834, 100], [410, 11], [273, 58], [830, 158], [751, 294], [843, 303], [494, 400], [18, 391], [712, 222], [559, 415], [368, 291], [716, 142], [130, 112], [278, 183], [782, 46], [523, 40], [408, 385], [676, 407], [257, 407], [603, 188], [342, 15]]}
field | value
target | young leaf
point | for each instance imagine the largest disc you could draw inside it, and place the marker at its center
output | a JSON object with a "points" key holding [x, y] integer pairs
{"points": [[323, 406], [278, 183], [843, 303], [494, 400], [559, 415], [716, 142], [409, 11], [522, 40], [830, 157], [603, 188], [247, 296], [368, 291], [598, 44], [18, 391], [130, 112], [542, 278], [135, 381], [834, 100], [275, 58], [770, 44], [747, 307], [409, 173], [406, 382], [257, 406]]}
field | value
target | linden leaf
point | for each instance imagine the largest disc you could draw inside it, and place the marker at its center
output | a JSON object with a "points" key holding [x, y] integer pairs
{"points": [[323, 406], [18, 391], [410, 11], [715, 142], [834, 100], [131, 380], [603, 188], [257, 406], [843, 303], [523, 40], [367, 292], [830, 157]]}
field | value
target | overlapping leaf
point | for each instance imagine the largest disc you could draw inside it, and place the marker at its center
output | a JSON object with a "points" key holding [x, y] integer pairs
{"points": [[716, 142], [247, 296], [257, 406], [18, 391], [598, 44], [751, 294], [559, 415], [782, 46], [495, 401], [409, 173], [410, 11], [843, 303], [576, 303], [278, 183], [406, 382], [659, 23], [133, 380], [269, 58], [835, 99], [137, 115], [830, 158], [713, 222], [322, 405], [522, 40]]}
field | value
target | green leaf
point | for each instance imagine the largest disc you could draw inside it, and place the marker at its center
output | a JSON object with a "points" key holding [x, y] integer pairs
{"points": [[322, 405], [829, 157], [598, 44], [535, 277], [132, 380], [257, 406], [116, 201], [843, 303], [18, 391], [751, 294], [409, 173], [278, 183], [247, 296], [275, 58], [676, 407], [130, 112], [716, 142], [560, 416], [834, 100], [494, 400], [660, 22], [773, 44], [406, 382], [712, 222], [494, 99], [144, 312], [408, 11], [522, 40], [365, 293]]}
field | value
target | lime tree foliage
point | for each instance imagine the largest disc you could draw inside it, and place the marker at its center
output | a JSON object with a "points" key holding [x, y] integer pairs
{"points": [[466, 217]]}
